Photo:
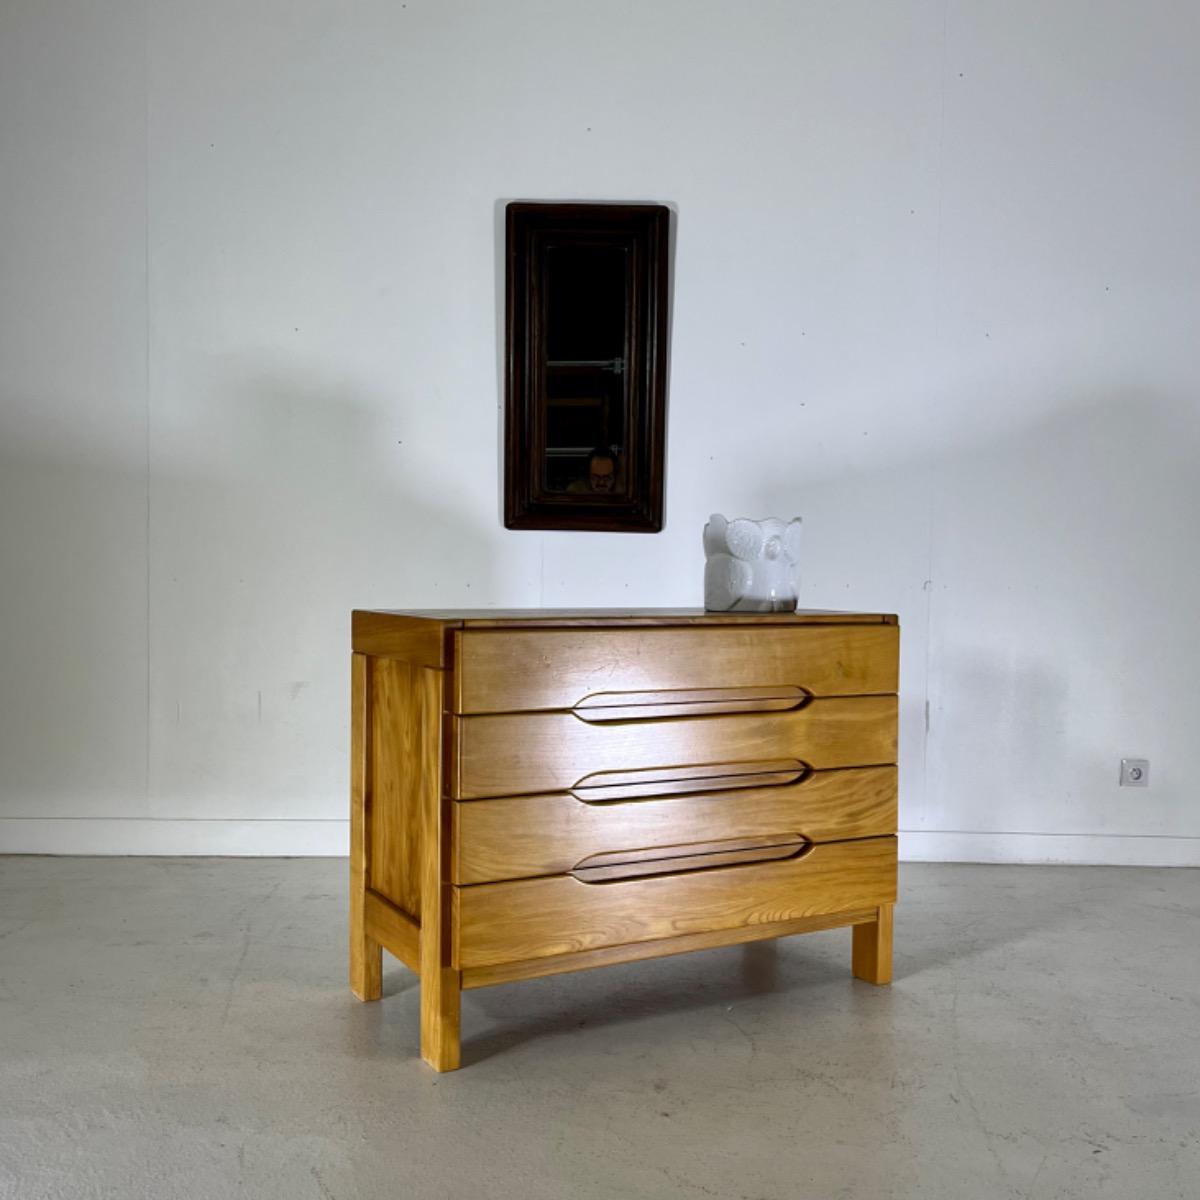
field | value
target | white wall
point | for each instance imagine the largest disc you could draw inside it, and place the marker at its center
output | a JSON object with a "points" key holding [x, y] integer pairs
{"points": [[936, 290]]}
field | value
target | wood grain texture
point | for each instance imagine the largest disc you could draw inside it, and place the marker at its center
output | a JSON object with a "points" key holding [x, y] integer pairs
{"points": [[586, 960], [419, 641], [523, 836], [872, 951], [395, 811], [534, 918], [366, 956], [703, 856], [527, 670], [696, 702], [393, 929], [651, 782], [440, 984], [515, 754], [477, 891]]}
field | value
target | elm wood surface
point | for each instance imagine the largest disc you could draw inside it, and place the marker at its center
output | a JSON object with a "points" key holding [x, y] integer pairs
{"points": [[440, 983], [400, 842], [693, 856], [516, 753], [416, 641], [526, 670], [521, 836], [398, 718], [606, 707], [603, 786], [366, 955], [621, 811], [393, 929], [531, 918], [684, 943], [871, 954]]}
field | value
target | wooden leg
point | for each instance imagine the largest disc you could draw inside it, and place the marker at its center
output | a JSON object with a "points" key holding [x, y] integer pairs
{"points": [[441, 984], [441, 995], [872, 953], [366, 956]]}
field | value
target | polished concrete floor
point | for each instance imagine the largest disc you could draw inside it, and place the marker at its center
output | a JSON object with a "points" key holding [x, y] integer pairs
{"points": [[181, 1028]]}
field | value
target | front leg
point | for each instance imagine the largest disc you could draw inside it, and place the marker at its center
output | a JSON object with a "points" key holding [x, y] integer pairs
{"points": [[366, 954], [441, 983], [441, 1000], [871, 957]]}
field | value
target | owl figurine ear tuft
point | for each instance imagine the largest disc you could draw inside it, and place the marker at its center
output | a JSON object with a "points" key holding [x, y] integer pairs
{"points": [[750, 565], [714, 535]]}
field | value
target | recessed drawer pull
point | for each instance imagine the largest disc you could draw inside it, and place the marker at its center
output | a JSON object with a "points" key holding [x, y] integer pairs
{"points": [[607, 786], [670, 860], [524, 919], [696, 702], [516, 754], [523, 837]]}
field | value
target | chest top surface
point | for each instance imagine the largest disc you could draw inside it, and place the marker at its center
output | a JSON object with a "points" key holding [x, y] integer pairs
{"points": [[550, 618]]}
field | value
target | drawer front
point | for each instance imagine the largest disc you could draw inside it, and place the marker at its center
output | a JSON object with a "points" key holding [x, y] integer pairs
{"points": [[522, 836], [503, 671], [519, 753], [534, 918]]}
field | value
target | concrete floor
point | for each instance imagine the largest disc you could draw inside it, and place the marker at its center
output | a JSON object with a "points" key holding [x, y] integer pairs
{"points": [[181, 1028]]}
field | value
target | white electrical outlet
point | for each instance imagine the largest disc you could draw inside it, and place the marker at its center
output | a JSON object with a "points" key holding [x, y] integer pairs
{"points": [[1135, 772]]}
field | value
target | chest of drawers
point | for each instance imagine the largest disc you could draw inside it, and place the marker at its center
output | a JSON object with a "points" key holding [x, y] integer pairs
{"points": [[549, 790]]}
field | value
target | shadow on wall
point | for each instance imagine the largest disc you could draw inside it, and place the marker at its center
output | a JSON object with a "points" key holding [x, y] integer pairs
{"points": [[1071, 549], [278, 501], [1040, 572], [328, 501]]}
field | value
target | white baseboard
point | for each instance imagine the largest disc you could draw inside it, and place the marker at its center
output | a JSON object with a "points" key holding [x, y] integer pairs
{"points": [[318, 839], [1083, 849], [138, 835]]}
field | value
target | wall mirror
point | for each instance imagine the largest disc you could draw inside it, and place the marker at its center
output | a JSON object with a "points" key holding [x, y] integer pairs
{"points": [[586, 366]]}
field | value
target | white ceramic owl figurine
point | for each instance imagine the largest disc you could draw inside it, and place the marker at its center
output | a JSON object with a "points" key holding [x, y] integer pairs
{"points": [[751, 565]]}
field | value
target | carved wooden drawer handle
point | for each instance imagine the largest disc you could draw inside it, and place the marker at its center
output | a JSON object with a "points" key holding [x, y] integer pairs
{"points": [[607, 786], [699, 856], [696, 702]]}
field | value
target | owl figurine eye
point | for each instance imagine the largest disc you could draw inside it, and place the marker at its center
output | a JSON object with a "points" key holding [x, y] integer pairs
{"points": [[751, 564]]}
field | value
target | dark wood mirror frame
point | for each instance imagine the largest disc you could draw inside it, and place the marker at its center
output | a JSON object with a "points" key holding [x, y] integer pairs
{"points": [[616, 401]]}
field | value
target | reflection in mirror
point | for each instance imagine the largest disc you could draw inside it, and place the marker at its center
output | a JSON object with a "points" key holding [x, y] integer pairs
{"points": [[586, 358], [586, 394]]}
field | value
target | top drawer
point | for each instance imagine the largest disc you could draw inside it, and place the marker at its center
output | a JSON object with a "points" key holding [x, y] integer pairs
{"points": [[528, 670]]}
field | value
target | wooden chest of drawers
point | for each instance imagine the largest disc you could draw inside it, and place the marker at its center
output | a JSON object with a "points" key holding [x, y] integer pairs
{"points": [[548, 790]]}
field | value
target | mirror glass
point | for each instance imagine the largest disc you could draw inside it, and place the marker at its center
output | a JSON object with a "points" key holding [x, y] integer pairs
{"points": [[586, 394]]}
